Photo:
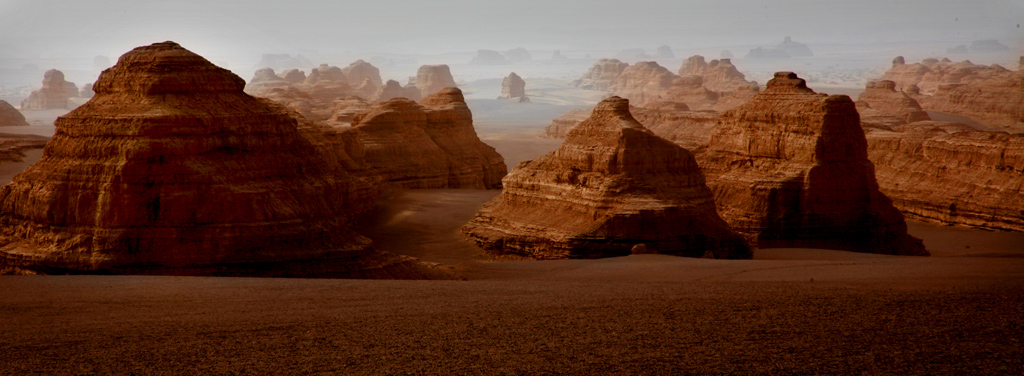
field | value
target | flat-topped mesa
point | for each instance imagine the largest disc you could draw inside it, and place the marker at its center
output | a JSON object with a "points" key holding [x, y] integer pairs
{"points": [[53, 95], [514, 87], [601, 75], [433, 78], [10, 116], [881, 95], [172, 169], [612, 188], [789, 168], [430, 144]]}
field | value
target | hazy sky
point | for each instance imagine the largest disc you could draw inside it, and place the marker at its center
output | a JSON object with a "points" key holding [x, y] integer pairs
{"points": [[53, 28]]}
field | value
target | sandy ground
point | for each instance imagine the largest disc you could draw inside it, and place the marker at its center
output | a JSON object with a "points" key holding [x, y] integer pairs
{"points": [[787, 311]]}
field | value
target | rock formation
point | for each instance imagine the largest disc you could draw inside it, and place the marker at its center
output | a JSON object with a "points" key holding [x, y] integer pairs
{"points": [[431, 79], [518, 55], [664, 52], [393, 89], [293, 76], [513, 87], [263, 79], [10, 116], [767, 53], [790, 168], [612, 188], [794, 49], [718, 75], [86, 91], [991, 95], [643, 82], [601, 75], [986, 46], [430, 144], [13, 146], [672, 121], [172, 169], [560, 126], [951, 175], [882, 96], [53, 95], [489, 57], [360, 71]]}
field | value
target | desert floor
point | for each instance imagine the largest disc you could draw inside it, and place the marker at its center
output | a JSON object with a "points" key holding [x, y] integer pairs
{"points": [[787, 311]]}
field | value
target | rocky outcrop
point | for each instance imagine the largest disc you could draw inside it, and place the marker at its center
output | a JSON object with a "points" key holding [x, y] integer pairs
{"points": [[10, 116], [53, 95], [172, 169], [601, 75], [513, 87], [430, 144], [718, 75], [431, 79], [560, 126], [790, 168], [951, 174], [882, 96], [360, 71], [264, 79], [991, 95], [643, 82], [612, 188], [293, 76], [393, 89], [672, 121], [794, 49], [488, 57]]}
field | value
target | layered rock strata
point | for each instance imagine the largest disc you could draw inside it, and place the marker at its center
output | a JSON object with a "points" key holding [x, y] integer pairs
{"points": [[611, 189], [790, 168], [601, 75], [172, 169], [430, 144], [672, 121], [882, 96]]}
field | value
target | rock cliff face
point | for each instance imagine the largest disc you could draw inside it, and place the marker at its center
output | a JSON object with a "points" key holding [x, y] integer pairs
{"points": [[172, 169], [513, 87], [601, 75], [431, 79], [10, 116], [53, 95], [431, 144], [951, 175], [790, 168], [611, 189], [882, 96]]}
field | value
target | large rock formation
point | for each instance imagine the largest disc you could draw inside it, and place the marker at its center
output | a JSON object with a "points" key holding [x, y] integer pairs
{"points": [[488, 57], [991, 95], [293, 76], [430, 144], [612, 188], [513, 87], [881, 95], [643, 82], [951, 174], [718, 75], [393, 89], [664, 52], [10, 116], [53, 95], [172, 169], [360, 71], [790, 168], [795, 49], [601, 75], [265, 79], [431, 79], [672, 121]]}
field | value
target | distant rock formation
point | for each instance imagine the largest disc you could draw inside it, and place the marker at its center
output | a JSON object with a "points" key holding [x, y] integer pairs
{"points": [[431, 79], [767, 53], [726, 54], [951, 175], [611, 189], [489, 57], [293, 76], [283, 61], [393, 89], [172, 169], [790, 168], [360, 71], [86, 91], [881, 95], [718, 75], [601, 75], [664, 52], [264, 78], [513, 87], [989, 94], [430, 144], [794, 49], [959, 49], [643, 82], [53, 95], [10, 116], [518, 55], [986, 46]]}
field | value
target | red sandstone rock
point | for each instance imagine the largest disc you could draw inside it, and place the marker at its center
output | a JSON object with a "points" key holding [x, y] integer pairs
{"points": [[882, 96], [513, 87], [431, 79], [601, 75], [718, 75], [790, 168], [431, 144], [10, 116], [391, 90], [613, 187], [171, 168], [644, 82], [672, 121], [53, 95]]}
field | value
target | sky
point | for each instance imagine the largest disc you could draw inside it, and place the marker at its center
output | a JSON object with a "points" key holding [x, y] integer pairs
{"points": [[86, 28]]}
